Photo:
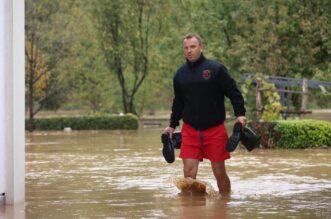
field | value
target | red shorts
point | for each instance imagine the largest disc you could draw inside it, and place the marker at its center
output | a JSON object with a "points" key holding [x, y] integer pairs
{"points": [[209, 143]]}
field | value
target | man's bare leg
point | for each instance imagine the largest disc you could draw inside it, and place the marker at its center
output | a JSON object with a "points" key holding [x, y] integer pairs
{"points": [[223, 181], [190, 167]]}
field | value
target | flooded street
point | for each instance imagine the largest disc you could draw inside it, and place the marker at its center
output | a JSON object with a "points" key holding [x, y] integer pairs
{"points": [[122, 174]]}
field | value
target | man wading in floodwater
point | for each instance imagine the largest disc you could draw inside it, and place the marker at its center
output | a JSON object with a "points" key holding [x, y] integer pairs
{"points": [[200, 86]]}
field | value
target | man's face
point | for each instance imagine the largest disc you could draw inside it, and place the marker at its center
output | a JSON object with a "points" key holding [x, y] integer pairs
{"points": [[192, 49]]}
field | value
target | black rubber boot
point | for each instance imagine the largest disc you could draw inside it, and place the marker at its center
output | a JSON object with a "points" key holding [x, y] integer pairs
{"points": [[168, 148], [177, 139], [234, 139], [249, 139]]}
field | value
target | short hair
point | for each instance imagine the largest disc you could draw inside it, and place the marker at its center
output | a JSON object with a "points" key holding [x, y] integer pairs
{"points": [[193, 35]]}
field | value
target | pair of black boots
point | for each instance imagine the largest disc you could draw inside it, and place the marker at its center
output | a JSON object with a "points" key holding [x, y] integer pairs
{"points": [[247, 137], [170, 144]]}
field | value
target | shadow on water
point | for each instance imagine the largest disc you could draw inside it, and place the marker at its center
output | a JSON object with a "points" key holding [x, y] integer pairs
{"points": [[122, 174]]}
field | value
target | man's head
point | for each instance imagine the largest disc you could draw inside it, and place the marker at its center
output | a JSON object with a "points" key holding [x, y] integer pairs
{"points": [[192, 46]]}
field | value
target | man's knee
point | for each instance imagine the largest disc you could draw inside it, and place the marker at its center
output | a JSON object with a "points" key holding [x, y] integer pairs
{"points": [[219, 169], [190, 171], [220, 174], [190, 168]]}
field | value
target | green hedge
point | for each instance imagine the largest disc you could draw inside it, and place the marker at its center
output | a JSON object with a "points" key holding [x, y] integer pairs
{"points": [[293, 133], [303, 133], [111, 122]]}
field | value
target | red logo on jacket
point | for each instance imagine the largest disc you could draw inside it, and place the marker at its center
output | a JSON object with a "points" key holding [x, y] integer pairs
{"points": [[206, 74]]}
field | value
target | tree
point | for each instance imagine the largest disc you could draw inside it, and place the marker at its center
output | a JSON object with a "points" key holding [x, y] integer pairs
{"points": [[288, 38], [45, 48], [121, 55], [126, 34], [89, 77], [285, 38]]}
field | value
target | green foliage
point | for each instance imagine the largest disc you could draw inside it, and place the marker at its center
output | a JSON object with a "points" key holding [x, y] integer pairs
{"points": [[128, 121], [288, 38], [322, 99], [47, 45], [285, 38], [126, 31], [271, 105], [303, 133], [89, 77], [270, 99]]}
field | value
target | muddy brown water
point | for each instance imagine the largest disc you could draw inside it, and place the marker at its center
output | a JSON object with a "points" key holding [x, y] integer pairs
{"points": [[122, 174]]}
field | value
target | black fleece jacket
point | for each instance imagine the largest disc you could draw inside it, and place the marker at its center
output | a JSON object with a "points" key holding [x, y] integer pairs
{"points": [[199, 90]]}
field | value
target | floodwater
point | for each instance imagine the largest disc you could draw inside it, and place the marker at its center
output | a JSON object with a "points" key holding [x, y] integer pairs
{"points": [[122, 174]]}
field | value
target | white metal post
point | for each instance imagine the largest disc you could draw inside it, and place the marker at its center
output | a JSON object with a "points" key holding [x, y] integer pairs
{"points": [[12, 131]]}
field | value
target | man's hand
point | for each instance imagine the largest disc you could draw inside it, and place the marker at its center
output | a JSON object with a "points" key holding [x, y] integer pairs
{"points": [[242, 120], [170, 131]]}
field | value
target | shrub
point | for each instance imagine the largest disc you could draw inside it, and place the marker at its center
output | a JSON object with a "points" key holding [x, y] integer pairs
{"points": [[128, 121], [302, 133], [265, 131], [293, 133], [270, 98]]}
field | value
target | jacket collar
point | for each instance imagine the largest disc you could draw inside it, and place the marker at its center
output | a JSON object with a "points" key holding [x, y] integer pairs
{"points": [[197, 62]]}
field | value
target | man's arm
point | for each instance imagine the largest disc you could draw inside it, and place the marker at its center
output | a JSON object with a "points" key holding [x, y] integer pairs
{"points": [[176, 109], [231, 91]]}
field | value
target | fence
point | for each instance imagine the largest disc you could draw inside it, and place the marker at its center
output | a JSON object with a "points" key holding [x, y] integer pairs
{"points": [[286, 88]]}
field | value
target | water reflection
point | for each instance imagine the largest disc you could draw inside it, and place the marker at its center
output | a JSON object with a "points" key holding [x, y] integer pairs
{"points": [[198, 207], [122, 174]]}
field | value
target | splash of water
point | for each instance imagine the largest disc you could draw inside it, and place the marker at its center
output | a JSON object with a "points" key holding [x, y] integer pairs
{"points": [[185, 184]]}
